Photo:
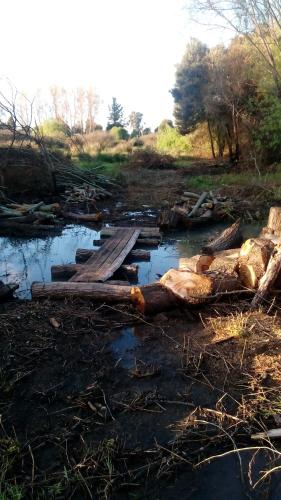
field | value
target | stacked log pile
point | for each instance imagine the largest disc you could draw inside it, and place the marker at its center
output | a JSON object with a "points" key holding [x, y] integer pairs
{"points": [[25, 216], [193, 210]]}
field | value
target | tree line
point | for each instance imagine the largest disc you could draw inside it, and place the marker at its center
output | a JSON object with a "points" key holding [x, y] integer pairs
{"points": [[235, 90]]}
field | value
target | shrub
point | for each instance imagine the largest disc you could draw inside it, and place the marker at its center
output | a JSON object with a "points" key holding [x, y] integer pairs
{"points": [[119, 133], [170, 141], [267, 137], [54, 127], [148, 158]]}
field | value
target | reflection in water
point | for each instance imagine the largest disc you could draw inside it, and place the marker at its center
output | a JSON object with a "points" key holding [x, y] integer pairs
{"points": [[26, 260]]}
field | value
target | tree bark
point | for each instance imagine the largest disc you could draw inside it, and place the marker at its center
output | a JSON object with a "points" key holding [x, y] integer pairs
{"points": [[82, 255], [151, 299], [274, 221], [269, 278], [253, 260], [231, 237], [66, 271], [211, 140], [96, 291]]}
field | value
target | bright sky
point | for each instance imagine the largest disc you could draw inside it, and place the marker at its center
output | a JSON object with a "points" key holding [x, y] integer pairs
{"points": [[124, 48]]}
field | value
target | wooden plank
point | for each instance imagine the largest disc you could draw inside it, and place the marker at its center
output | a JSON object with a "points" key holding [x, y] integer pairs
{"points": [[103, 264], [95, 291]]}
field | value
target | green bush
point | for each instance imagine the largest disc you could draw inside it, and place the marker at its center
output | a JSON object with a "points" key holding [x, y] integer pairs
{"points": [[55, 127], [170, 141], [267, 136], [119, 133]]}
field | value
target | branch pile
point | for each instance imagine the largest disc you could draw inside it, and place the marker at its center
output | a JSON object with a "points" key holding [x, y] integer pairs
{"points": [[193, 210]]}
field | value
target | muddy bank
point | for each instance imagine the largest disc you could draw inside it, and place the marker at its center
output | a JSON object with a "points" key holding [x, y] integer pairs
{"points": [[85, 417]]}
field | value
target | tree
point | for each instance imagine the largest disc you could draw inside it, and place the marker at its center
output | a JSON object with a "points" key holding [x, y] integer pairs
{"points": [[116, 115], [135, 120], [191, 77], [146, 131], [119, 133]]}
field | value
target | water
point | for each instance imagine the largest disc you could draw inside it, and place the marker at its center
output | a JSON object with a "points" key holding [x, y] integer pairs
{"points": [[26, 260]]}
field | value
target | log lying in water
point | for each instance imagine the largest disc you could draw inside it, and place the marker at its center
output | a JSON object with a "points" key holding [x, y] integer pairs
{"points": [[231, 237], [146, 232], [97, 217], [195, 288], [253, 260], [96, 291], [151, 299], [142, 242], [269, 278], [83, 254], [66, 271]]}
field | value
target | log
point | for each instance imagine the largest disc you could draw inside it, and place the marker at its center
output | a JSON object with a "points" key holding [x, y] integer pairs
{"points": [[143, 242], [253, 260], [197, 263], [96, 291], [274, 221], [146, 232], [66, 271], [231, 237], [267, 281], [97, 217], [151, 299], [82, 255], [195, 288], [226, 261], [198, 204], [168, 218], [183, 212]]}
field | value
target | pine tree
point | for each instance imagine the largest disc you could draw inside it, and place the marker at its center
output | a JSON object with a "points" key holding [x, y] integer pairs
{"points": [[116, 118]]}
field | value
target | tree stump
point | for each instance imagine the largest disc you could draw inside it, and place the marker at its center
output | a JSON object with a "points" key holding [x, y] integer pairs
{"points": [[274, 221]]}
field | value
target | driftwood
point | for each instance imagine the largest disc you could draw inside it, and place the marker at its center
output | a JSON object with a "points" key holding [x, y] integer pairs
{"points": [[150, 299], [253, 260], [83, 254], [195, 288], [269, 278], [66, 271], [96, 291], [231, 237]]}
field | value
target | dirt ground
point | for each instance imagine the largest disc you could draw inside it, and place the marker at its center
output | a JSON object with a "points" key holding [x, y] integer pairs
{"points": [[80, 420]]}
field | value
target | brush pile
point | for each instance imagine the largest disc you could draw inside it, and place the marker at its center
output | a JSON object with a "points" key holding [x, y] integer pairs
{"points": [[194, 210], [26, 217]]}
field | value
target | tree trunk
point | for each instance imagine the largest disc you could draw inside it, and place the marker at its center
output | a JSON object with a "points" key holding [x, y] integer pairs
{"points": [[231, 237], [95, 291], [269, 278], [211, 140], [253, 260], [66, 271], [83, 254], [195, 288], [151, 299], [274, 221]]}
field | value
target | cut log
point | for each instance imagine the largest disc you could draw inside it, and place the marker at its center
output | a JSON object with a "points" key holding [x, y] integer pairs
{"points": [[195, 288], [97, 217], [268, 280], [225, 261], [103, 264], [183, 212], [231, 237], [66, 271], [83, 254], [274, 221], [142, 242], [168, 219], [198, 204], [253, 260], [6, 291], [197, 263], [145, 232], [96, 291], [151, 299]]}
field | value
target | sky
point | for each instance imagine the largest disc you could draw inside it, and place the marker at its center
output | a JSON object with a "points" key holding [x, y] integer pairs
{"points": [[123, 48]]}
